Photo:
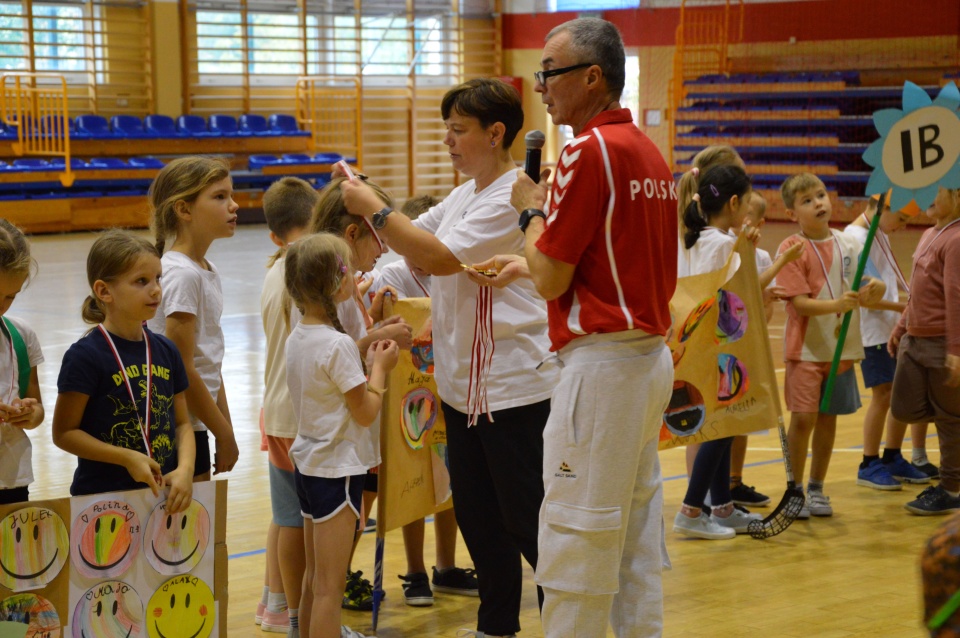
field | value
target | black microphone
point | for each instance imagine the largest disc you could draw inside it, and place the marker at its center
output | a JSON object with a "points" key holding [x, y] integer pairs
{"points": [[534, 141]]}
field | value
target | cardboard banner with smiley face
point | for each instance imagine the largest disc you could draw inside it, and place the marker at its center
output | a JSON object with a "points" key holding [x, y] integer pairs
{"points": [[105, 539], [181, 608], [175, 543], [34, 546], [31, 615], [109, 610]]}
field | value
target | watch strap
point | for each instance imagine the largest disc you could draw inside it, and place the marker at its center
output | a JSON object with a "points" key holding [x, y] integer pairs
{"points": [[529, 214]]}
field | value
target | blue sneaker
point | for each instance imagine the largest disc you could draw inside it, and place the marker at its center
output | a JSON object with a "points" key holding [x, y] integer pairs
{"points": [[932, 501], [901, 469], [877, 475]]}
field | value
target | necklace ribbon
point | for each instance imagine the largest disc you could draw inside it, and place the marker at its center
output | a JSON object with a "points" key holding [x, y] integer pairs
{"points": [[144, 423]]}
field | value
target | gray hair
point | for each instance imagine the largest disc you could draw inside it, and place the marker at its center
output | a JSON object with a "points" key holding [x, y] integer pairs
{"points": [[598, 42]]}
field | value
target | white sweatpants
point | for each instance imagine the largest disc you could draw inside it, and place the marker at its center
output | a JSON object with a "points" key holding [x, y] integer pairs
{"points": [[601, 522]]}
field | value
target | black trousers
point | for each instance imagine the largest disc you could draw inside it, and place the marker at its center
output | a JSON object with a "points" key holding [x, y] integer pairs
{"points": [[496, 474]]}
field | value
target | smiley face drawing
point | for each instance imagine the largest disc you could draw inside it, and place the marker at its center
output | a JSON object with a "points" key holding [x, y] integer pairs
{"points": [[175, 543], [34, 546], [109, 610], [181, 608], [37, 613], [105, 539]]}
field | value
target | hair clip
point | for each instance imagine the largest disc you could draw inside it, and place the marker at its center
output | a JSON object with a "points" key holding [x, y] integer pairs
{"points": [[713, 189], [696, 197], [695, 171], [343, 268]]}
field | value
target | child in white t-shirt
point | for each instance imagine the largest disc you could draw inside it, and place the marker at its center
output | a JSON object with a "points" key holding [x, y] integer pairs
{"points": [[878, 367], [192, 199], [337, 411]]}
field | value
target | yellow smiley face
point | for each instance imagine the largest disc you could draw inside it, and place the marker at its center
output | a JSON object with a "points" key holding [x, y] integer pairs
{"points": [[33, 548], [181, 608]]}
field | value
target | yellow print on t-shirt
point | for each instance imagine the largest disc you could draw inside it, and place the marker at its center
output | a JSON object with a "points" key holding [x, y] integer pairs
{"points": [[137, 371], [127, 434]]}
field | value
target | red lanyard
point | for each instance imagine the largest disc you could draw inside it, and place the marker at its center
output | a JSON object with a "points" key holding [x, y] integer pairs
{"points": [[823, 266], [418, 282], [13, 369], [144, 423], [887, 251]]}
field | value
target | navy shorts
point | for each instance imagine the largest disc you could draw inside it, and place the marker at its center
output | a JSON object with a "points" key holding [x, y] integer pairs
{"points": [[878, 367], [14, 495], [202, 464], [322, 498]]}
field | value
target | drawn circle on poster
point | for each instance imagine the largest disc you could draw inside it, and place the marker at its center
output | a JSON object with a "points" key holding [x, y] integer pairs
{"points": [[422, 350], [34, 546], [105, 539], [695, 317], [418, 411], [175, 543], [686, 412], [731, 317], [182, 606], [112, 609], [34, 611], [733, 381]]}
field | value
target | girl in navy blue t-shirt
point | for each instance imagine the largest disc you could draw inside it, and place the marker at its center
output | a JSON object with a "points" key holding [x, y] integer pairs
{"points": [[121, 407]]}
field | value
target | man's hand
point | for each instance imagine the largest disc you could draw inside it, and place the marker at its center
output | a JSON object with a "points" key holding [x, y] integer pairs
{"points": [[526, 194]]}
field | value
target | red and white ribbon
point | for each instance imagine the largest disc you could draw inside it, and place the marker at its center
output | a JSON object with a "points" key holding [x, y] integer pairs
{"points": [[145, 422], [481, 358]]}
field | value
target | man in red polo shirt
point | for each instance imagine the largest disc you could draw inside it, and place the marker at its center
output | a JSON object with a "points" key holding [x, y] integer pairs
{"points": [[604, 256]]}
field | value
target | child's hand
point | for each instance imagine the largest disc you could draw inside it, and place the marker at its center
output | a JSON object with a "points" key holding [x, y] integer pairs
{"points": [[143, 469], [376, 306], [793, 253], [847, 301], [894, 343], [181, 490], [872, 292], [18, 413], [773, 293], [953, 366], [750, 233], [385, 354], [398, 330], [363, 285], [226, 454]]}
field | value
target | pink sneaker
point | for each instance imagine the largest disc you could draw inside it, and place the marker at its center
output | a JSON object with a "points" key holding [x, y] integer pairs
{"points": [[261, 608], [275, 621]]}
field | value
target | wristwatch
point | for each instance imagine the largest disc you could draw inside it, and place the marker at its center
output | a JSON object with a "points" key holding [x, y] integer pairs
{"points": [[380, 217], [529, 214]]}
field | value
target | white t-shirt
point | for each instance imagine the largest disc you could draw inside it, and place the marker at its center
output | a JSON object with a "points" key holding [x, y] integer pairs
{"points": [[708, 254], [16, 469], [476, 226], [352, 318], [876, 326], [764, 261], [189, 288], [276, 310], [407, 285], [322, 365]]}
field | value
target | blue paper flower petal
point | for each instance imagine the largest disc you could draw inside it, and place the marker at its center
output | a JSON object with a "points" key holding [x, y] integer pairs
{"points": [[874, 153], [884, 119], [949, 97], [900, 198], [924, 196], [878, 183], [914, 97]]}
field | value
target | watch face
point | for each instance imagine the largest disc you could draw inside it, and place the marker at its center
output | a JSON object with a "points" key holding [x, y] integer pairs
{"points": [[380, 218]]}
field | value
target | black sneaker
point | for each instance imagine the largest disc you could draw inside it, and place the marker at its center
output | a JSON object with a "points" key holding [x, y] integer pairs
{"points": [[928, 468], [456, 581], [416, 590], [748, 497], [370, 525], [933, 501], [358, 595]]}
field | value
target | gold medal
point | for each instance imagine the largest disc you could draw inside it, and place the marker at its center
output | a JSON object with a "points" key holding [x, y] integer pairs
{"points": [[836, 332]]}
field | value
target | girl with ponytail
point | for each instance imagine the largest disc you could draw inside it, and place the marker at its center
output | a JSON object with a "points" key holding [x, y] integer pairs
{"points": [[121, 407]]}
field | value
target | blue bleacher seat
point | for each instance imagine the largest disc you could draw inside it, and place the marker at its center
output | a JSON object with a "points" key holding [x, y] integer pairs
{"points": [[286, 124], [95, 126], [163, 126], [145, 162], [226, 125], [195, 126], [130, 126], [259, 161], [257, 125], [327, 158], [75, 163], [108, 163], [8, 132], [30, 164], [297, 158]]}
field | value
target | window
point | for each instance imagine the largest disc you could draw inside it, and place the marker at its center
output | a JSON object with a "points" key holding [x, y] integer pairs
{"points": [[592, 5], [59, 38]]}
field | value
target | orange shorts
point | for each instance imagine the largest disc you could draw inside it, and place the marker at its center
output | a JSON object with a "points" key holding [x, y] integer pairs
{"points": [[806, 381]]}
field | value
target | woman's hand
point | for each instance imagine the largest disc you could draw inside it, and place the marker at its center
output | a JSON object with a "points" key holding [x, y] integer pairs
{"points": [[509, 268], [526, 194], [359, 198]]}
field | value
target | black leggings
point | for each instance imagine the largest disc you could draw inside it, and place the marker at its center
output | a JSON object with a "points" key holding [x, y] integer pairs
{"points": [[711, 472], [496, 474]]}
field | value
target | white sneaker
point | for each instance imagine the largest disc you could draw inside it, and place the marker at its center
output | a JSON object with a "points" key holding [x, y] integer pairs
{"points": [[470, 633], [737, 521], [701, 527], [346, 632], [819, 504]]}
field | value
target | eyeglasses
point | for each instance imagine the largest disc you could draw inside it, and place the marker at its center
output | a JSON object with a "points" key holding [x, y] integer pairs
{"points": [[541, 76], [376, 236]]}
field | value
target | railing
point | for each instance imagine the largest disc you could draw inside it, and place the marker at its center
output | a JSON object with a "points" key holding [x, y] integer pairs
{"points": [[329, 107], [36, 105]]}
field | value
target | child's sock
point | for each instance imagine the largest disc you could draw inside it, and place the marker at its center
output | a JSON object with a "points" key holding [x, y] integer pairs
{"points": [[890, 454], [265, 595], [277, 602], [294, 619], [867, 460], [919, 455], [953, 494], [814, 486]]}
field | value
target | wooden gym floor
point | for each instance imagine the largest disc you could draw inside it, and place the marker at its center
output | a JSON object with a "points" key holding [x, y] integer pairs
{"points": [[855, 574]]}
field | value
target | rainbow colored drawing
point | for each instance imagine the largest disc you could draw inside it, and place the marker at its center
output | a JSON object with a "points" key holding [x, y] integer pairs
{"points": [[175, 543], [686, 411], [733, 381], [105, 539], [34, 546], [182, 606], [419, 409], [731, 317], [37, 613], [694, 318], [109, 610]]}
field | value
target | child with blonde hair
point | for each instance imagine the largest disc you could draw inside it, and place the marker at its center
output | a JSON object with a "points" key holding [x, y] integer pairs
{"points": [[192, 200], [21, 407], [337, 410], [121, 407]]}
